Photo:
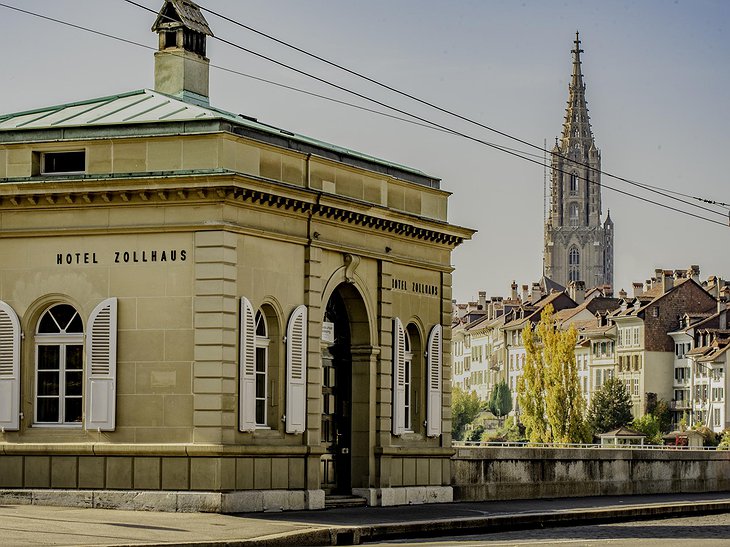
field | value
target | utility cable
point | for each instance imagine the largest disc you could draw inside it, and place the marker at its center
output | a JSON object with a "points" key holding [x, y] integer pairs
{"points": [[341, 88], [431, 124], [454, 114]]}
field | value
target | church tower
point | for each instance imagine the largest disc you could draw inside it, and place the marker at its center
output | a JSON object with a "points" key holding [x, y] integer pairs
{"points": [[578, 246]]}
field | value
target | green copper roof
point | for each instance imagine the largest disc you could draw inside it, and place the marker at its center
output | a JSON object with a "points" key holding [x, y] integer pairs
{"points": [[151, 107]]}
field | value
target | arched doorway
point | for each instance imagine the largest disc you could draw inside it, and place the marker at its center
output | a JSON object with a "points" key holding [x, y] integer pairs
{"points": [[343, 389]]}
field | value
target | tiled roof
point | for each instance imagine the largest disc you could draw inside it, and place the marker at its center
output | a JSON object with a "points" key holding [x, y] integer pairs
{"points": [[622, 432]]}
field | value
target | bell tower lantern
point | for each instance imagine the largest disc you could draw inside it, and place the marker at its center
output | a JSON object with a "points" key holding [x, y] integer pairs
{"points": [[181, 67]]}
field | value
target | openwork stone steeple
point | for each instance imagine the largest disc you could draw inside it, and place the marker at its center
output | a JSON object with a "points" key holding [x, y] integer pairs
{"points": [[578, 246], [577, 125]]}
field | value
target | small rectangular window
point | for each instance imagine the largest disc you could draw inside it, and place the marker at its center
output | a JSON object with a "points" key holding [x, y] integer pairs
{"points": [[61, 163]]}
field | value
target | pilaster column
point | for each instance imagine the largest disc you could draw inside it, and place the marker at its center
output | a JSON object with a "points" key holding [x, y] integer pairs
{"points": [[364, 393], [313, 287], [215, 323], [384, 371]]}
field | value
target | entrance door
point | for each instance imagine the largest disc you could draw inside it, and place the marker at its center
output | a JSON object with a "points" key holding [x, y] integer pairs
{"points": [[337, 402]]}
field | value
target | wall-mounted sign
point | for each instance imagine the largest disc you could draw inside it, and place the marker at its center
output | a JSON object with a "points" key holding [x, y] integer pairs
{"points": [[122, 257], [414, 287], [328, 332]]}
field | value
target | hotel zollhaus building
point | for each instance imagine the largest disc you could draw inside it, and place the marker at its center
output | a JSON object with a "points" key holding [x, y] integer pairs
{"points": [[199, 311]]}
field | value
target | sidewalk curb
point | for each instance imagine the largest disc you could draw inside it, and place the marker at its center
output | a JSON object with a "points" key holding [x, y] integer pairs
{"points": [[356, 535]]}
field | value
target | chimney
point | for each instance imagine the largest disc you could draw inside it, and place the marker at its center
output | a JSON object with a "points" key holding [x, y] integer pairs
{"points": [[667, 281], [525, 296], [622, 294], [694, 273], [181, 67], [722, 308], [577, 291], [482, 300], [535, 293], [638, 289], [513, 296]]}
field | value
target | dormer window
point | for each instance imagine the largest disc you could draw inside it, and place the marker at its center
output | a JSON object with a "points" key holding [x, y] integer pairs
{"points": [[63, 163]]}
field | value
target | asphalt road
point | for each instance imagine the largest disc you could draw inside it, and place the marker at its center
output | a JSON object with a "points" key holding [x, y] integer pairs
{"points": [[704, 531]]}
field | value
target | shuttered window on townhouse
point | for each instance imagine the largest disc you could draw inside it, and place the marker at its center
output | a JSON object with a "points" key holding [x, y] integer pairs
{"points": [[434, 375], [296, 371], [9, 369], [247, 368], [101, 367], [399, 378]]}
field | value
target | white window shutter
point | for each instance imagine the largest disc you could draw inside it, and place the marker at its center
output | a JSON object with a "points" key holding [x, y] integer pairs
{"points": [[101, 367], [247, 368], [9, 369], [296, 371], [399, 377], [434, 373]]}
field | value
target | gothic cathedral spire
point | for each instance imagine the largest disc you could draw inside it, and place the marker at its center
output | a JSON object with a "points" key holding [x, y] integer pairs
{"points": [[578, 247]]}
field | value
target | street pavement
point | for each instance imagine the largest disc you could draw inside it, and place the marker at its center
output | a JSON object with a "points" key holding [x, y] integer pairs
{"points": [[695, 531], [39, 525]]}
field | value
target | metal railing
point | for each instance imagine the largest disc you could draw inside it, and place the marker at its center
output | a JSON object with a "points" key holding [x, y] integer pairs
{"points": [[519, 444]]}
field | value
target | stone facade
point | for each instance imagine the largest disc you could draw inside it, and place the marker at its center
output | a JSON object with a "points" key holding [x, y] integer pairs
{"points": [[209, 304]]}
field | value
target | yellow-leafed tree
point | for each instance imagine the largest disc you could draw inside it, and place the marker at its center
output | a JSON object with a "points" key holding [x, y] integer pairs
{"points": [[549, 395]]}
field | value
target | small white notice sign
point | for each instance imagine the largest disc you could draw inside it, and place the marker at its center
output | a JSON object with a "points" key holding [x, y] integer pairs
{"points": [[328, 332]]}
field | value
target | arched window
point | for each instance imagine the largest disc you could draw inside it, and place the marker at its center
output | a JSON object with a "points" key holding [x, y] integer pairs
{"points": [[573, 217], [574, 184], [59, 361], [262, 368], [574, 264]]}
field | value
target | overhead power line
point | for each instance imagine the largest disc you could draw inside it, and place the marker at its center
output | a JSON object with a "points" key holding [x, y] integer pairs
{"points": [[449, 112], [425, 122]]}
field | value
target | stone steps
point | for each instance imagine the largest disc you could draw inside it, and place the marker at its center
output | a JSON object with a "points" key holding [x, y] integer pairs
{"points": [[344, 500]]}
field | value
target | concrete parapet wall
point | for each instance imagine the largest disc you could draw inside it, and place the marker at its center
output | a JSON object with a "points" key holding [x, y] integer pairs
{"points": [[494, 473]]}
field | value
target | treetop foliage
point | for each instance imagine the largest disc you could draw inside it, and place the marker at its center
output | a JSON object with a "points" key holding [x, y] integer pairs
{"points": [[549, 395], [465, 407], [610, 407]]}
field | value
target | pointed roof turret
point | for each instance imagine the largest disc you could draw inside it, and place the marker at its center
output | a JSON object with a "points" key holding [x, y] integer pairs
{"points": [[577, 126]]}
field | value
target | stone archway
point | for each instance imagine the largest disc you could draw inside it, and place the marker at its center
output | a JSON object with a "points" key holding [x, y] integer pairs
{"points": [[348, 393]]}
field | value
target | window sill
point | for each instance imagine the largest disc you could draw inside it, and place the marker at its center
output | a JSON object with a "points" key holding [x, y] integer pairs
{"points": [[56, 426]]}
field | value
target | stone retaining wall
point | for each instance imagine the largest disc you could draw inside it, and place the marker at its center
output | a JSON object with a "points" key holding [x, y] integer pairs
{"points": [[495, 473]]}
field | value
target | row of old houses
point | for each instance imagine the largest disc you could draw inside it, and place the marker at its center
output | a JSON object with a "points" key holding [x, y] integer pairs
{"points": [[670, 339]]}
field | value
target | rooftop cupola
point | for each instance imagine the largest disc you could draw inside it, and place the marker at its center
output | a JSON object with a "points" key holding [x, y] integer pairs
{"points": [[181, 67]]}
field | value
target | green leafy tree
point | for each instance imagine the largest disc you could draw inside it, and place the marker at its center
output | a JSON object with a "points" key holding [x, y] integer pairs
{"points": [[549, 395], [648, 424], [465, 407], [610, 407], [510, 431], [724, 441], [531, 386], [659, 408], [500, 401]]}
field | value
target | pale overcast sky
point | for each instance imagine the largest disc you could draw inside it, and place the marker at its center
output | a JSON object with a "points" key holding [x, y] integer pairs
{"points": [[657, 76]]}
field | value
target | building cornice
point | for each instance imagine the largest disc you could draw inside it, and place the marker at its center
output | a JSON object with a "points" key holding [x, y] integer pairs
{"points": [[206, 186]]}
